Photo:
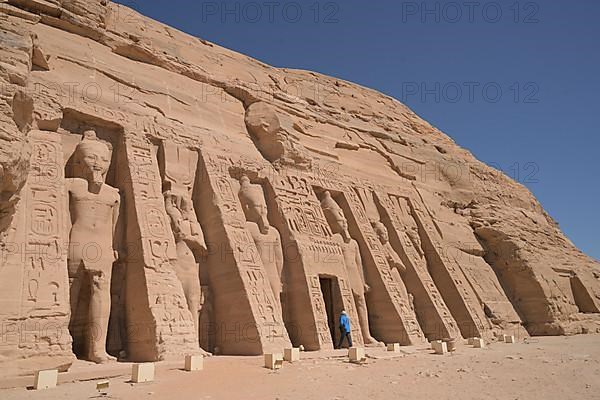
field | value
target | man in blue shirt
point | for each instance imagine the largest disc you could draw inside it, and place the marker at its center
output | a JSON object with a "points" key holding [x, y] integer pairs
{"points": [[344, 329]]}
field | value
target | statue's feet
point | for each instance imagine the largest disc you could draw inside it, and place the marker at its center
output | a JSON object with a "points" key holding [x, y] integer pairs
{"points": [[102, 358], [372, 342], [205, 353]]}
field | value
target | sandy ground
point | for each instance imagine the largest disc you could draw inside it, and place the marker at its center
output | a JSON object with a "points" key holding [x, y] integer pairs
{"points": [[545, 368]]}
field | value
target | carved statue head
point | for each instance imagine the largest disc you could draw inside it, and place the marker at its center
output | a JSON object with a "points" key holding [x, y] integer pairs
{"points": [[179, 199], [92, 158], [381, 231], [254, 204], [334, 215]]}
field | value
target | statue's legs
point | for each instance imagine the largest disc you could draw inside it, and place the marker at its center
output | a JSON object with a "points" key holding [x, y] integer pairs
{"points": [[398, 278], [193, 296], [74, 289], [76, 323], [363, 318], [206, 327], [99, 314], [275, 283]]}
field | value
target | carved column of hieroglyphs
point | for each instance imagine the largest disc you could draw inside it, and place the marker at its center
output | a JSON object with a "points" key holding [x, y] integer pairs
{"points": [[428, 299], [267, 330], [169, 326], [44, 289], [44, 293], [310, 236], [468, 312], [404, 318]]}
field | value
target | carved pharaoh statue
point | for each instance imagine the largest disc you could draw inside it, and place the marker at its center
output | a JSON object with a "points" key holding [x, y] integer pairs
{"points": [[188, 234], [94, 210], [189, 240], [266, 237], [356, 275], [393, 259]]}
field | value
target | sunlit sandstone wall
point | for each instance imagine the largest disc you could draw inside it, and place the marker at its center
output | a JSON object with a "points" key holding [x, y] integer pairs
{"points": [[438, 244]]}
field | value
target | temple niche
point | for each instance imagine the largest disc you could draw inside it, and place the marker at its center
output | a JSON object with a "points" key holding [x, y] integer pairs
{"points": [[178, 168], [94, 209], [353, 261], [394, 213], [266, 237], [393, 259]]}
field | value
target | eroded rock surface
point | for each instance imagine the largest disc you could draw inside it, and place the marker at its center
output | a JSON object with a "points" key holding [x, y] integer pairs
{"points": [[218, 169]]}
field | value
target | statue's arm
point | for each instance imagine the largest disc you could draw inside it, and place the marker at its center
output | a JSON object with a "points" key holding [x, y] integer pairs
{"points": [[68, 188], [395, 260], [115, 217], [198, 235], [359, 264], [278, 254]]}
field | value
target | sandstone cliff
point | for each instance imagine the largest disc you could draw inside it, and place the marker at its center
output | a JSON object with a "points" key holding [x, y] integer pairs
{"points": [[449, 246]]}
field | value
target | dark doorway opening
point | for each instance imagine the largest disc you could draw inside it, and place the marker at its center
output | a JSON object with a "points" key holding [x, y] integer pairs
{"points": [[333, 304], [327, 291]]}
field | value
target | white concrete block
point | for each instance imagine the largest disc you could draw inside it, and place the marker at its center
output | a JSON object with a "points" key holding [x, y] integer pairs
{"points": [[142, 372], [102, 386], [357, 354], [472, 340], [509, 339], [194, 363], [273, 360], [439, 347], [292, 354], [395, 347], [45, 379], [478, 343]]}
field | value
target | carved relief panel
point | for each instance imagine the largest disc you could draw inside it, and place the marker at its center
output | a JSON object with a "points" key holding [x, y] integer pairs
{"points": [[45, 287]]}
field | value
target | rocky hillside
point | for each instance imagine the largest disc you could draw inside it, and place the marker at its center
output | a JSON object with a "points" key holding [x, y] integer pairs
{"points": [[481, 255]]}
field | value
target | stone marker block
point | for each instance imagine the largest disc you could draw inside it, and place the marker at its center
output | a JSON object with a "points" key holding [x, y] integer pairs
{"points": [[102, 386], [357, 354], [509, 339], [451, 343], [472, 340], [273, 360], [478, 343], [395, 347], [292, 354], [45, 379], [142, 372], [439, 347], [194, 363]]}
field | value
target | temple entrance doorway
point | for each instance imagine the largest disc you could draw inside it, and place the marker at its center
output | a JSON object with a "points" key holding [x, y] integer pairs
{"points": [[333, 304]]}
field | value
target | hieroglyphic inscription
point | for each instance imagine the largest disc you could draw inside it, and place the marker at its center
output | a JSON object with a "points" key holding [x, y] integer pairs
{"points": [[477, 323], [403, 224], [45, 285], [397, 296]]}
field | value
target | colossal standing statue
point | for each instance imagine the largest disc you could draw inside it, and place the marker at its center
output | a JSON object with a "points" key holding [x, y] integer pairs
{"points": [[266, 237], [189, 240], [94, 209], [178, 168], [393, 259], [339, 225]]}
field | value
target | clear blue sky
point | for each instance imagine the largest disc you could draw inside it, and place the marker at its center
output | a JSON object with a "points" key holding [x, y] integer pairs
{"points": [[515, 82]]}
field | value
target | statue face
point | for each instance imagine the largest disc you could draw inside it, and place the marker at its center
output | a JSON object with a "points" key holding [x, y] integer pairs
{"points": [[382, 233], [94, 160], [340, 222], [256, 211]]}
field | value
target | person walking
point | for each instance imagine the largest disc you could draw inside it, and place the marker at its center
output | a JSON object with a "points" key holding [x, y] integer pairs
{"points": [[344, 329]]}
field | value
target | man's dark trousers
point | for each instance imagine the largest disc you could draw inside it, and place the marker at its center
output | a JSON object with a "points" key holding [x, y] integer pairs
{"points": [[344, 334]]}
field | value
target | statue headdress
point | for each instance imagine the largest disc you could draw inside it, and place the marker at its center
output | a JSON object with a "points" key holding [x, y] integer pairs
{"points": [[90, 138], [249, 192], [331, 209]]}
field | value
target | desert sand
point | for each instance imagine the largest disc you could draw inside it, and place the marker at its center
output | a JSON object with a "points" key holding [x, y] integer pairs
{"points": [[162, 196], [552, 368]]}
